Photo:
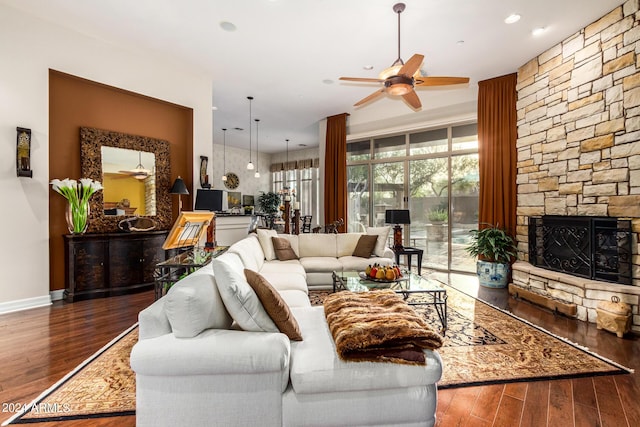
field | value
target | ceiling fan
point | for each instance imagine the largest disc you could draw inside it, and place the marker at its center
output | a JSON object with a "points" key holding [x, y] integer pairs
{"points": [[139, 172], [401, 78]]}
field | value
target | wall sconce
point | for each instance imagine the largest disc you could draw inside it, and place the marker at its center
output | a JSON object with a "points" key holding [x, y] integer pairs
{"points": [[23, 156], [397, 216], [179, 188]]}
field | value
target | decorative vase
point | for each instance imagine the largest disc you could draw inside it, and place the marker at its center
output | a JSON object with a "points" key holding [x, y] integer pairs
{"points": [[77, 216], [492, 274]]}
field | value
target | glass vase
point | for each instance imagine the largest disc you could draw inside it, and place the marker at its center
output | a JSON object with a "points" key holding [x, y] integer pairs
{"points": [[77, 216]]}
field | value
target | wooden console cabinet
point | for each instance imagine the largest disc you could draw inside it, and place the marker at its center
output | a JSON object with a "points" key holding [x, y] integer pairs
{"points": [[101, 265]]}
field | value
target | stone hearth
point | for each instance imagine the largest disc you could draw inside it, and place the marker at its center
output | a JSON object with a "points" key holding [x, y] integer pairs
{"points": [[579, 147]]}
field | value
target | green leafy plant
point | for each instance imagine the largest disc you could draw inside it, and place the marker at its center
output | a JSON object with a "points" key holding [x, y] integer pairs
{"points": [[493, 244], [269, 202], [438, 215]]}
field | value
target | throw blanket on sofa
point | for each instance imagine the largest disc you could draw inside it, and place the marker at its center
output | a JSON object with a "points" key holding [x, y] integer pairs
{"points": [[378, 326]]}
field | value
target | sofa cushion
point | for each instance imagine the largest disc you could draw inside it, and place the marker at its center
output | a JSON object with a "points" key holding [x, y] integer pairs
{"points": [[354, 263], [317, 245], [274, 305], [320, 264], [283, 249], [383, 235], [264, 237], [286, 281], [240, 300], [295, 298], [316, 367], [194, 304], [365, 247], [346, 243], [292, 266], [250, 251]]}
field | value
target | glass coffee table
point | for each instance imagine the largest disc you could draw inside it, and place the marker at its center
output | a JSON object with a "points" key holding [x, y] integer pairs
{"points": [[410, 284]]}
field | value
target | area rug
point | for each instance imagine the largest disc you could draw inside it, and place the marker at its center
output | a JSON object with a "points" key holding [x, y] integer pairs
{"points": [[483, 345], [102, 386]]}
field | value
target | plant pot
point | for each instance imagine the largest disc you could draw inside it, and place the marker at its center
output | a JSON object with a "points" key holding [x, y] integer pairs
{"points": [[493, 274]]}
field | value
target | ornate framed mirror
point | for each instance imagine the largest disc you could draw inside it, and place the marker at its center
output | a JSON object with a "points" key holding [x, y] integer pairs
{"points": [[154, 186]]}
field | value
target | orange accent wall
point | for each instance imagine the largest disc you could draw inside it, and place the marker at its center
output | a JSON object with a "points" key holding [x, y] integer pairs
{"points": [[75, 102]]}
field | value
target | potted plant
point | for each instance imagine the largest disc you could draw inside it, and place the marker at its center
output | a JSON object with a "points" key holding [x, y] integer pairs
{"points": [[438, 216], [495, 250], [269, 203]]}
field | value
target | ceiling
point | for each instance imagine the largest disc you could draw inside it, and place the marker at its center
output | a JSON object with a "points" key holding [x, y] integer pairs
{"points": [[289, 54]]}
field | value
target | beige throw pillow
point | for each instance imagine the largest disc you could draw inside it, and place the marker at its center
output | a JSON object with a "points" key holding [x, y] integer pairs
{"points": [[240, 299], [283, 249], [264, 237], [275, 306], [366, 245], [383, 234]]}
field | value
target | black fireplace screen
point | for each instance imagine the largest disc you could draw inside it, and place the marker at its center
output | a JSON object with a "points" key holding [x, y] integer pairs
{"points": [[597, 248]]}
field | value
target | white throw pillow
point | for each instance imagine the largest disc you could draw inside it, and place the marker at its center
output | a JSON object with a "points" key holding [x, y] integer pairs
{"points": [[264, 237], [383, 235], [194, 304], [241, 301]]}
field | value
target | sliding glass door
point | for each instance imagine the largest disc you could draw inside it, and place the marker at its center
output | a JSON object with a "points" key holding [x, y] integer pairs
{"points": [[434, 174]]}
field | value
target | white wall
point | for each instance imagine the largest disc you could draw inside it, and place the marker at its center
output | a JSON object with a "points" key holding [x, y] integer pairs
{"points": [[236, 162], [29, 48]]}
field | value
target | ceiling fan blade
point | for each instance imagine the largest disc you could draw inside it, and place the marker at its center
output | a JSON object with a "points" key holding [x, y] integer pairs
{"points": [[412, 99], [369, 98], [412, 65], [361, 79], [440, 81]]}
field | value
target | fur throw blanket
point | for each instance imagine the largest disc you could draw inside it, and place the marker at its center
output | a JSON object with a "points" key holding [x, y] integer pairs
{"points": [[378, 326]]}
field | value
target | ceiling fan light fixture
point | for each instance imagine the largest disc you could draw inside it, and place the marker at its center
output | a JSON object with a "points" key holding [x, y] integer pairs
{"points": [[398, 85]]}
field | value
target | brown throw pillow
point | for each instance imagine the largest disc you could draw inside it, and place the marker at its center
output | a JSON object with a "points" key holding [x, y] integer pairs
{"points": [[283, 249], [366, 245], [274, 305]]}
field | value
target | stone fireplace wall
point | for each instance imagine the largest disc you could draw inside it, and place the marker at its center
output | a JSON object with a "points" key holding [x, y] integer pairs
{"points": [[579, 140]]}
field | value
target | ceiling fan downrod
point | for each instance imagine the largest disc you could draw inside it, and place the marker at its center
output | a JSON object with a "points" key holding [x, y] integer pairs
{"points": [[398, 8]]}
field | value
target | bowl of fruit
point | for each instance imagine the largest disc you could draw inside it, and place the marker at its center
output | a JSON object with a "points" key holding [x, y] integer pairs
{"points": [[381, 273]]}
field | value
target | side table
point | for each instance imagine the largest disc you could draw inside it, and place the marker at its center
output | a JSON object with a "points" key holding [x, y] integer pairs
{"points": [[168, 272], [409, 252]]}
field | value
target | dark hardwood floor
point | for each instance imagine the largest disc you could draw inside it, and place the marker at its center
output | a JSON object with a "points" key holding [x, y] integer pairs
{"points": [[39, 346]]}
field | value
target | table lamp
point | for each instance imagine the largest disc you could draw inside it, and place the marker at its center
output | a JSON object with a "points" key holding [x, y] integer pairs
{"points": [[179, 188], [397, 217]]}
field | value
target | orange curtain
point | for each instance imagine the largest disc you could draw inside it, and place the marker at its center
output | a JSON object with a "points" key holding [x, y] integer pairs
{"points": [[497, 134], [335, 170]]}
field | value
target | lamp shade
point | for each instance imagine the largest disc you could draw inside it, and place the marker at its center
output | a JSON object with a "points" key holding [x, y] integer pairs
{"points": [[179, 187], [397, 216]]}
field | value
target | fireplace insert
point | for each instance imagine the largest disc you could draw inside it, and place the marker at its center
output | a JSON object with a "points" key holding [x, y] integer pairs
{"points": [[597, 248]]}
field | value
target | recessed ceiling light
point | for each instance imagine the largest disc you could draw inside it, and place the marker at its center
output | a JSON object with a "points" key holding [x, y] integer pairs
{"points": [[460, 42], [302, 145], [512, 19], [227, 26], [368, 67], [538, 31], [327, 81]]}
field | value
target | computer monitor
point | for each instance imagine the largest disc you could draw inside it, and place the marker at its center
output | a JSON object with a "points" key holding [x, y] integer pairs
{"points": [[211, 200]]}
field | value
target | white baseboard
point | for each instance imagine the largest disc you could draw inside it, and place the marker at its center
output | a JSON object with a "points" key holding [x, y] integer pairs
{"points": [[57, 295], [24, 304]]}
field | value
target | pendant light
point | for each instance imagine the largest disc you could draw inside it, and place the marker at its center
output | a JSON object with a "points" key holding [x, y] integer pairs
{"points": [[224, 154], [250, 164], [257, 174]]}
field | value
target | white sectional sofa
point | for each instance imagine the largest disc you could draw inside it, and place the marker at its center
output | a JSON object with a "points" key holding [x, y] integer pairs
{"points": [[195, 367]]}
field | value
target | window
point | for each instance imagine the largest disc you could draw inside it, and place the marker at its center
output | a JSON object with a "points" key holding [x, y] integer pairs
{"points": [[303, 181], [431, 172]]}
